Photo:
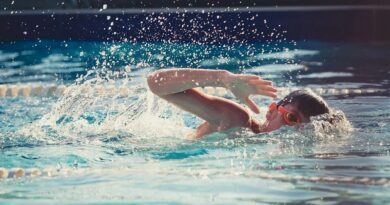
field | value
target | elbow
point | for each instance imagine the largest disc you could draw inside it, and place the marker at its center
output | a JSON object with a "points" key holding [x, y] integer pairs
{"points": [[152, 83], [157, 82]]}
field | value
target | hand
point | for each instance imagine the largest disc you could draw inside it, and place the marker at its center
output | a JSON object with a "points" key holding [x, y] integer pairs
{"points": [[242, 86]]}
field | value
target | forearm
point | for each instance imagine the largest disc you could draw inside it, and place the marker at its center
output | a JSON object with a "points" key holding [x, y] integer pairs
{"points": [[169, 81]]}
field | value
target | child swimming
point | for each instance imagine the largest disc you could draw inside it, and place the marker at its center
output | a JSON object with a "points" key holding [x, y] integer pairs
{"points": [[177, 86]]}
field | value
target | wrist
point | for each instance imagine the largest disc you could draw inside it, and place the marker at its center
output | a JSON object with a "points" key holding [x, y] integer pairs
{"points": [[227, 78]]}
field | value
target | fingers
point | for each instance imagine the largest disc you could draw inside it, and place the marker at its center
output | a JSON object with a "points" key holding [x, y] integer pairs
{"points": [[260, 81], [268, 93], [266, 88], [254, 79], [252, 105]]}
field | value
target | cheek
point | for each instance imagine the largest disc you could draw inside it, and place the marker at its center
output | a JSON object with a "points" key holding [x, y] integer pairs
{"points": [[277, 121]]}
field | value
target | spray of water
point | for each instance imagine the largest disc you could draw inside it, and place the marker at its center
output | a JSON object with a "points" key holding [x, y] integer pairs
{"points": [[87, 114]]}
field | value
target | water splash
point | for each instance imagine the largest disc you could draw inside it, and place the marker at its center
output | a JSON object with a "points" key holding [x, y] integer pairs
{"points": [[84, 114], [331, 125]]}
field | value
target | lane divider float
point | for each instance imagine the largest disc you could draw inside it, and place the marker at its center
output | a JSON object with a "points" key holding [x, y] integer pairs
{"points": [[18, 172], [39, 90], [374, 181], [14, 173]]}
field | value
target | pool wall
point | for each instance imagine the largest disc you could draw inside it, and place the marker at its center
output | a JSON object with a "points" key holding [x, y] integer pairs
{"points": [[325, 23]]}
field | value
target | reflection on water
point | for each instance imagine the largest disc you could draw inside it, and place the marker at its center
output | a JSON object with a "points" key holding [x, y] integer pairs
{"points": [[101, 145]]}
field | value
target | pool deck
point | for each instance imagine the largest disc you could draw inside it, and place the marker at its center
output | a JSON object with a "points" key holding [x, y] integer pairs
{"points": [[209, 25]]}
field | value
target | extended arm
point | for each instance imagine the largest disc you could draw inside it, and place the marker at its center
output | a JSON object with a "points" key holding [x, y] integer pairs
{"points": [[169, 81], [176, 86]]}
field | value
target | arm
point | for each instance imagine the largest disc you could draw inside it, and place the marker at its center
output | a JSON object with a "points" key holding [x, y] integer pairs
{"points": [[176, 86], [169, 81], [203, 129]]}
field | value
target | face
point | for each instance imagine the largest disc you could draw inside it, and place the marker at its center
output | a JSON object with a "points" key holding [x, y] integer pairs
{"points": [[278, 117]]}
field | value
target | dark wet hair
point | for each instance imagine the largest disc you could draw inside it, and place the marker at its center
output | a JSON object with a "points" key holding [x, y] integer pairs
{"points": [[307, 103]]}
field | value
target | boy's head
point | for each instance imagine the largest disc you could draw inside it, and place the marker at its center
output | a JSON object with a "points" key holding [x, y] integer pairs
{"points": [[297, 107]]}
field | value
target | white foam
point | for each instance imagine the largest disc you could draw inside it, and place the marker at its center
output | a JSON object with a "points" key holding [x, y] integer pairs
{"points": [[218, 61], [8, 56], [130, 110], [275, 68], [326, 75], [286, 55]]}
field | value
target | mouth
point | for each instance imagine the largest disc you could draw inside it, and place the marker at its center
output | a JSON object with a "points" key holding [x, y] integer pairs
{"points": [[268, 116], [266, 126]]}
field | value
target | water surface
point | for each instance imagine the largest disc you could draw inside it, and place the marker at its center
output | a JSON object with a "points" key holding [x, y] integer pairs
{"points": [[106, 148]]}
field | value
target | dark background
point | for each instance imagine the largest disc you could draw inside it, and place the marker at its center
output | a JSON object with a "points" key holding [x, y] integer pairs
{"points": [[95, 4], [347, 20]]}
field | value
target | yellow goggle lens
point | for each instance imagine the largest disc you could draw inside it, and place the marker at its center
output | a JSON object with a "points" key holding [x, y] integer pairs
{"points": [[291, 117]]}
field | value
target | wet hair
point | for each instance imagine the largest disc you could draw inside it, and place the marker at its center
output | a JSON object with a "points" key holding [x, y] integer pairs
{"points": [[307, 102]]}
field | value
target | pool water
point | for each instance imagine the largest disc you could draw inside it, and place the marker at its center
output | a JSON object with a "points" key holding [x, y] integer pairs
{"points": [[98, 146]]}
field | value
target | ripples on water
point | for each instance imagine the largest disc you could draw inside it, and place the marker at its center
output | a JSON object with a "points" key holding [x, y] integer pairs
{"points": [[103, 146]]}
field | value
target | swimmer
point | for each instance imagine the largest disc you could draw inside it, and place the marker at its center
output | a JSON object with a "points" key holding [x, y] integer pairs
{"points": [[177, 86]]}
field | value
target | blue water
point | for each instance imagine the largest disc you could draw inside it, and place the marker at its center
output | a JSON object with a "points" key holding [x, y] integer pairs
{"points": [[106, 148]]}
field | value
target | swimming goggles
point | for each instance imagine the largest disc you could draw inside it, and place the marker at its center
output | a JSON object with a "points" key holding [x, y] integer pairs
{"points": [[289, 118]]}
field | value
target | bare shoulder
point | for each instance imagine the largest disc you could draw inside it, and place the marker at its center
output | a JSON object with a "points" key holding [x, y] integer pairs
{"points": [[234, 114]]}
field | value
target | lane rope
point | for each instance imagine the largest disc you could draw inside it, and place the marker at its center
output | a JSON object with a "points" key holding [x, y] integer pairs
{"points": [[15, 173], [39, 90]]}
